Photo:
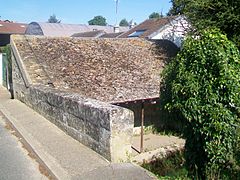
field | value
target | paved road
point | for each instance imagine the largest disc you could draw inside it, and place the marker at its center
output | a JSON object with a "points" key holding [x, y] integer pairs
{"points": [[15, 164]]}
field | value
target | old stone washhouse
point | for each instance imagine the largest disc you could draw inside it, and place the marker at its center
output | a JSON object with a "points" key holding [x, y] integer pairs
{"points": [[83, 85]]}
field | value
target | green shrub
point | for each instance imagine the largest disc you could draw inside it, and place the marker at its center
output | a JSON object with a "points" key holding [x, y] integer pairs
{"points": [[7, 50], [202, 85], [170, 167]]}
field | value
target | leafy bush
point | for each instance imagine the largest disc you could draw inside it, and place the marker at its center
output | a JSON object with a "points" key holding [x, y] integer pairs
{"points": [[170, 167], [202, 84], [7, 50]]}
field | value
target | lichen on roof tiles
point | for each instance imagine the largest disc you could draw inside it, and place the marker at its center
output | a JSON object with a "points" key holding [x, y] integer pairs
{"points": [[110, 70]]}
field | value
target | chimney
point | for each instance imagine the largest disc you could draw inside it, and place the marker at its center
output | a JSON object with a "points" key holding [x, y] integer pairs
{"points": [[131, 24], [116, 29]]}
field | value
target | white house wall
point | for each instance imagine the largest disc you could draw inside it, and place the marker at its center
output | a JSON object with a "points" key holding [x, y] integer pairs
{"points": [[174, 31]]}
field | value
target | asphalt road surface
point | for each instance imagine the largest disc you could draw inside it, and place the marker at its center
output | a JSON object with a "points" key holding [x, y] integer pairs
{"points": [[15, 164]]}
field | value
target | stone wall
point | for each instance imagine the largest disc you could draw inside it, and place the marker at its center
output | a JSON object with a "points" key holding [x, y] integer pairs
{"points": [[105, 128]]}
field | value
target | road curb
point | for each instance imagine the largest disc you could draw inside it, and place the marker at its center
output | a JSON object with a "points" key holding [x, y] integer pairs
{"points": [[43, 168]]}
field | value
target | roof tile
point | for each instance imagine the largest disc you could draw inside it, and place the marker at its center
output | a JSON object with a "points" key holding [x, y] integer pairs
{"points": [[110, 70], [150, 25], [12, 28]]}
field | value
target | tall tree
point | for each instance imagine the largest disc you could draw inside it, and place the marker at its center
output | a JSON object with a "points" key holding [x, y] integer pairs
{"points": [[202, 86], [223, 14], [155, 15], [124, 22], [177, 8], [53, 19], [98, 20]]}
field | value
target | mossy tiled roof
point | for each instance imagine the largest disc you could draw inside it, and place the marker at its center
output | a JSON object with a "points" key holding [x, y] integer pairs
{"points": [[110, 70]]}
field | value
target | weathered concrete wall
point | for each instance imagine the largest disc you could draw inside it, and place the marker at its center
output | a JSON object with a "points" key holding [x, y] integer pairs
{"points": [[103, 127]]}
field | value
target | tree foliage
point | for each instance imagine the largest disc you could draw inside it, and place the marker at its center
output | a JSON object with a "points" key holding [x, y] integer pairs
{"points": [[98, 20], [155, 15], [124, 22], [53, 19], [177, 8], [222, 14], [202, 85]]}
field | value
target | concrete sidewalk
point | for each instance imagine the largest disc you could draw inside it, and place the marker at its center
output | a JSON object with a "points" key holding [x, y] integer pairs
{"points": [[61, 155]]}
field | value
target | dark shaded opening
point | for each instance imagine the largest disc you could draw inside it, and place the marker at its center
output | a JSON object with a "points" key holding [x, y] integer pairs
{"points": [[154, 115], [4, 39]]}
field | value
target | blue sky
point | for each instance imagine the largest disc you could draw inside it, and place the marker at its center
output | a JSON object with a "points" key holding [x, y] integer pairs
{"points": [[79, 11]]}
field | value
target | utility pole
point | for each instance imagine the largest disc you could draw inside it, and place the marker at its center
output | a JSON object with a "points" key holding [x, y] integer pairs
{"points": [[116, 27], [116, 12]]}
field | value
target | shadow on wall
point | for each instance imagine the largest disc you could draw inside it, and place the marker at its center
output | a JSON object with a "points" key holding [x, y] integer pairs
{"points": [[154, 116]]}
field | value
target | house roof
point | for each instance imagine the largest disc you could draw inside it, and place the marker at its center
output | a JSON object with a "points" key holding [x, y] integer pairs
{"points": [[65, 30], [94, 34], [111, 35], [110, 70], [7, 27], [149, 26]]}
